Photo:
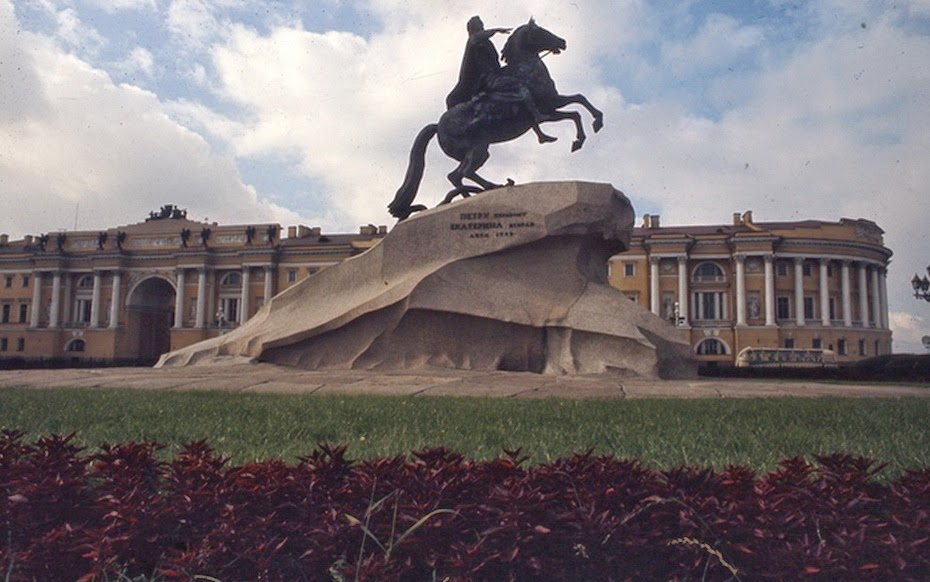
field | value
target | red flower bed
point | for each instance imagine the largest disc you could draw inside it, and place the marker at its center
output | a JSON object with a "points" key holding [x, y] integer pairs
{"points": [[122, 512]]}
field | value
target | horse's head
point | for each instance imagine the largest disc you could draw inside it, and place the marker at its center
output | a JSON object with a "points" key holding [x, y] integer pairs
{"points": [[531, 39]]}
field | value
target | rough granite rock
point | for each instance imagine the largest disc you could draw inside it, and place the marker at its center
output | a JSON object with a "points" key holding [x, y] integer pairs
{"points": [[510, 279]]}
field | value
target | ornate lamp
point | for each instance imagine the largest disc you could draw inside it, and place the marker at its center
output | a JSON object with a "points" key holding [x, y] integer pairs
{"points": [[921, 286]]}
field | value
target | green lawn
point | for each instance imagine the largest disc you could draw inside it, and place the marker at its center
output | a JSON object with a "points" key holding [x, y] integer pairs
{"points": [[661, 433]]}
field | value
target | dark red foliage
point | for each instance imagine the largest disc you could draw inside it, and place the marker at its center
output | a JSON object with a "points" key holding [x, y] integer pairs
{"points": [[122, 513]]}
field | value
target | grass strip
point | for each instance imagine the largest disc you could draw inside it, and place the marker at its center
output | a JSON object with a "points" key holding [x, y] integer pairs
{"points": [[661, 433]]}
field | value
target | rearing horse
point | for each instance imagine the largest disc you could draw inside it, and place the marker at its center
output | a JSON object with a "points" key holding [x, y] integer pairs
{"points": [[511, 102]]}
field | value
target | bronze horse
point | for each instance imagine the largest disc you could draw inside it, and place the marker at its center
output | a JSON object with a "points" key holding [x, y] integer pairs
{"points": [[510, 102]]}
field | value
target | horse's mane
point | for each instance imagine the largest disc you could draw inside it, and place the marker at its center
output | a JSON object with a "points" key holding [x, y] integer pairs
{"points": [[515, 40]]}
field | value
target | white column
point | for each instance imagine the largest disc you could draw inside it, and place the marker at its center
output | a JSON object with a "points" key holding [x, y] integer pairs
{"points": [[824, 294], [740, 289], [883, 291], [56, 300], [115, 300], [212, 297], [95, 301], [876, 299], [244, 298], [683, 291], [863, 296], [36, 299], [654, 285], [269, 284], [64, 315], [799, 290], [769, 290], [847, 294], [201, 298], [179, 302]]}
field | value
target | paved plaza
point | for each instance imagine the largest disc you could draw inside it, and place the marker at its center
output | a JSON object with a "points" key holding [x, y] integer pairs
{"points": [[270, 378]]}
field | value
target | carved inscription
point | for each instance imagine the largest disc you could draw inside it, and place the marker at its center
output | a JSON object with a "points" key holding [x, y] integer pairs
{"points": [[492, 224]]}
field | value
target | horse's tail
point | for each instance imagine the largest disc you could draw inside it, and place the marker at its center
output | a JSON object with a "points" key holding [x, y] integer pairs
{"points": [[402, 205]]}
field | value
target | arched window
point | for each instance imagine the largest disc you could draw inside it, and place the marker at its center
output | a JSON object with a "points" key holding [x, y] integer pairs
{"points": [[233, 279], [711, 347], [709, 273], [86, 282], [76, 345]]}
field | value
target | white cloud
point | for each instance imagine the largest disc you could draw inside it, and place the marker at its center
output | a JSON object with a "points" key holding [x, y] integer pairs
{"points": [[138, 61], [82, 143], [115, 5], [719, 41], [71, 32], [194, 23], [908, 331]]}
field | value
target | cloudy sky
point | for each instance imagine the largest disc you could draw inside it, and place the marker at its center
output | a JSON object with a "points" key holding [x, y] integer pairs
{"points": [[303, 112]]}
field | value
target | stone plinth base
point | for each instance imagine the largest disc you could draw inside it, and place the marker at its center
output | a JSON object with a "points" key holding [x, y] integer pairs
{"points": [[512, 279]]}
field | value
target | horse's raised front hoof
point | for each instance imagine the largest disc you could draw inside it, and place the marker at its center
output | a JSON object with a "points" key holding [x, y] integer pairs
{"points": [[546, 138], [598, 124], [576, 145]]}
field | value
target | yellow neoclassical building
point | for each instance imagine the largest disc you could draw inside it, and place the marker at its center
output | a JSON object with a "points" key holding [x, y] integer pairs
{"points": [[132, 292], [801, 284]]}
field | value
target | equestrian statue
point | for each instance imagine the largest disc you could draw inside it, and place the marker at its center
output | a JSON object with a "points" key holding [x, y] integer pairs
{"points": [[493, 104]]}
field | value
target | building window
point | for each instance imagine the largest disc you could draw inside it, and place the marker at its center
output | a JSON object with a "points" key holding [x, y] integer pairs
{"points": [[292, 275], [82, 307], [23, 312], [709, 273], [629, 269], [841, 347], [809, 308], [7, 313], [829, 269], [77, 345], [25, 280], [86, 282], [711, 347], [20, 344], [228, 312], [781, 269], [833, 308], [806, 269], [3, 344], [8, 281], [709, 305], [817, 343], [782, 307], [878, 348], [231, 280], [789, 343], [862, 347]]}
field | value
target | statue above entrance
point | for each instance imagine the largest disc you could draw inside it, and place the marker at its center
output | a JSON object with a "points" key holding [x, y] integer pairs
{"points": [[493, 104]]}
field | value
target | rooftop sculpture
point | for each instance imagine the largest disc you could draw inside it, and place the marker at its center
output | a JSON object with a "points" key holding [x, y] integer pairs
{"points": [[493, 104]]}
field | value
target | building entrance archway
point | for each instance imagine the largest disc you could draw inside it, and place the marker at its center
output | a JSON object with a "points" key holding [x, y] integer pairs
{"points": [[151, 315]]}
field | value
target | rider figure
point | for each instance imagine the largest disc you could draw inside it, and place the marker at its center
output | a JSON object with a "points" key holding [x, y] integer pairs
{"points": [[479, 64], [480, 60]]}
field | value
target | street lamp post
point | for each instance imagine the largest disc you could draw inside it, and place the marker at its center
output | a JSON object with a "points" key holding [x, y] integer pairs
{"points": [[921, 286]]}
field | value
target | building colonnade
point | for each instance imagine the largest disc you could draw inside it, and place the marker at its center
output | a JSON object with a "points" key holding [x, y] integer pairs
{"points": [[870, 282]]}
